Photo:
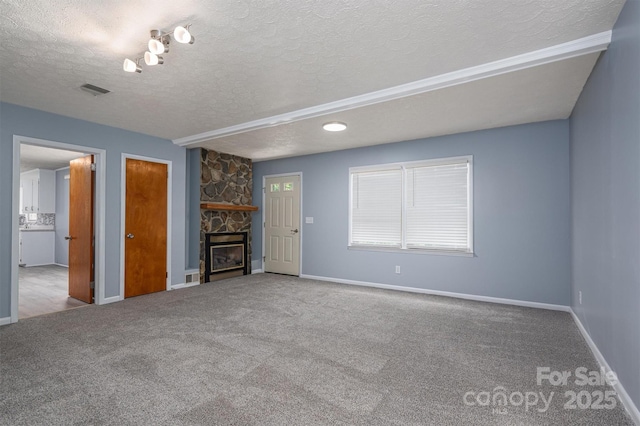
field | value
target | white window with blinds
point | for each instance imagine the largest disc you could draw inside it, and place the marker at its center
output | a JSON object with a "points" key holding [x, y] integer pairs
{"points": [[421, 205]]}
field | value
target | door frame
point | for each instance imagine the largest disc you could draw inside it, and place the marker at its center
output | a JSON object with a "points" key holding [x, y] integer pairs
{"points": [[98, 218], [123, 197], [264, 218]]}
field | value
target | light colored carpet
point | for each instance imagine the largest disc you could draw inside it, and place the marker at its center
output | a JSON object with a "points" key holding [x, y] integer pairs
{"points": [[271, 349]]}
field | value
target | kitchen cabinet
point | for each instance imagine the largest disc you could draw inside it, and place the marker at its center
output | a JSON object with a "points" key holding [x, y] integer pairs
{"points": [[38, 191], [37, 247]]}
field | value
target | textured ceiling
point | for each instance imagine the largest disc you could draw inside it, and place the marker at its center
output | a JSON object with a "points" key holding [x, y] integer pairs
{"points": [[38, 157], [256, 59]]}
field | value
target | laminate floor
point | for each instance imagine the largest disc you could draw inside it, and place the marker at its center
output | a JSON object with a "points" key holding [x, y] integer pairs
{"points": [[43, 290]]}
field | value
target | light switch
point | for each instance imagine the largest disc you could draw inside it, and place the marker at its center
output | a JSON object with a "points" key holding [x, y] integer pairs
{"points": [[308, 220]]}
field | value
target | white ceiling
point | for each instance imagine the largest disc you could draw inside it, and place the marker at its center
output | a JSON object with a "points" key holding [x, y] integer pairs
{"points": [[267, 60], [39, 157]]}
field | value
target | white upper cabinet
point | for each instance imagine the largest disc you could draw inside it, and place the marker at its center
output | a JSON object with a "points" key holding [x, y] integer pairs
{"points": [[38, 189]]}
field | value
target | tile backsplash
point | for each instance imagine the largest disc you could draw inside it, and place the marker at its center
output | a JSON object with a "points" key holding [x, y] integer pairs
{"points": [[48, 219]]}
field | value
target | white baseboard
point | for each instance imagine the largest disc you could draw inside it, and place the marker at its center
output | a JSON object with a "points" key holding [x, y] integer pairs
{"points": [[183, 285], [257, 271], [5, 321], [620, 390], [112, 299], [39, 264], [474, 297], [60, 264]]}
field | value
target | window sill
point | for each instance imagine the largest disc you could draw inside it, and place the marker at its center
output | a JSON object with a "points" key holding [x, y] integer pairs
{"points": [[413, 251]]}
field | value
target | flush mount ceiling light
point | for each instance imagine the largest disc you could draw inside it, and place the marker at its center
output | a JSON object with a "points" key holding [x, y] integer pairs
{"points": [[334, 126], [159, 44]]}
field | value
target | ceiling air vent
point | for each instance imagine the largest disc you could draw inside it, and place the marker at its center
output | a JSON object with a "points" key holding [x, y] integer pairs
{"points": [[94, 90]]}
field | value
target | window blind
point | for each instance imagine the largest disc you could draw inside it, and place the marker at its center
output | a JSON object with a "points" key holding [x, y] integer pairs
{"points": [[437, 207], [417, 205], [376, 213]]}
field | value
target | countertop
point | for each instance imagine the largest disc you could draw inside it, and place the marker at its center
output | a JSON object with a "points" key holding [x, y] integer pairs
{"points": [[37, 228]]}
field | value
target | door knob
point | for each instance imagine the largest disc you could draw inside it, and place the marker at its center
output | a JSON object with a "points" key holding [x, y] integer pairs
{"points": [[129, 235], [68, 238], [294, 231]]}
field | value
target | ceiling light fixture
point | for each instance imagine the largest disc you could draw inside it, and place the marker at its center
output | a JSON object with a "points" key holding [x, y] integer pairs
{"points": [[152, 59], [131, 66], [334, 126], [159, 44], [182, 35]]}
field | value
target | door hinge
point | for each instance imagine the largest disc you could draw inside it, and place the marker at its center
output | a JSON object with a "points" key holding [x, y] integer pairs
{"points": [[92, 285], [264, 258], [166, 275], [93, 167], [264, 224]]}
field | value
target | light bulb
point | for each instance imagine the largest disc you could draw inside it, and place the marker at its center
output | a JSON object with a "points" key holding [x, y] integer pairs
{"points": [[156, 46], [152, 59], [130, 66], [182, 35]]}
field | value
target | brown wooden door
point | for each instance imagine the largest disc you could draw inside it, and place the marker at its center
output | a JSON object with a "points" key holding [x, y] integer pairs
{"points": [[81, 254], [145, 258]]}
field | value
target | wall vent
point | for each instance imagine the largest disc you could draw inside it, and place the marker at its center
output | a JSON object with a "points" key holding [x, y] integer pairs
{"points": [[94, 90], [192, 278]]}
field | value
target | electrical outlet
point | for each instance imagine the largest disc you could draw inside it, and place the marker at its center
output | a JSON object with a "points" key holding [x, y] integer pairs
{"points": [[397, 269], [580, 297]]}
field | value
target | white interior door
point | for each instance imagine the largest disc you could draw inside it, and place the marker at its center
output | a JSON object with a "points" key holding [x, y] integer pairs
{"points": [[282, 225]]}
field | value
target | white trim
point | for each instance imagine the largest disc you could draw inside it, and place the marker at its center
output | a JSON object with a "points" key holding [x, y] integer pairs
{"points": [[31, 265], [99, 214], [474, 297], [112, 299], [264, 219], [183, 285], [123, 196], [579, 47], [257, 271], [60, 264], [63, 168], [624, 397], [413, 251], [5, 321]]}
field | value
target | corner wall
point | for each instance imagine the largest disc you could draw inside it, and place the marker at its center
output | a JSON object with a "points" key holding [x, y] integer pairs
{"points": [[605, 192], [62, 217], [521, 215]]}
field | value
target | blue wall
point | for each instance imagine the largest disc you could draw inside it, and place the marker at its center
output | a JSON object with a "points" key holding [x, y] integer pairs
{"points": [[605, 163], [16, 120], [193, 208], [62, 217], [521, 221]]}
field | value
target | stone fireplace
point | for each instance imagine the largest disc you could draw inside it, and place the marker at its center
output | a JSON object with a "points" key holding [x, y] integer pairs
{"points": [[224, 179]]}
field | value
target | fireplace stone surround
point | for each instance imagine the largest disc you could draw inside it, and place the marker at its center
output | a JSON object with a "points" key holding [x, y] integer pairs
{"points": [[226, 179]]}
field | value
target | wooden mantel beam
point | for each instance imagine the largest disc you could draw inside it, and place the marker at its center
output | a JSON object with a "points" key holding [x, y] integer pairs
{"points": [[227, 207]]}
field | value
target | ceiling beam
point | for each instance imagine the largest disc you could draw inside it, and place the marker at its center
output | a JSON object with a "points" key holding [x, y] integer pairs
{"points": [[583, 46]]}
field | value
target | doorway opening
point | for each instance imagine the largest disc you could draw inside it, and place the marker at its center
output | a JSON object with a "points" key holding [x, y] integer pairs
{"points": [[42, 207]]}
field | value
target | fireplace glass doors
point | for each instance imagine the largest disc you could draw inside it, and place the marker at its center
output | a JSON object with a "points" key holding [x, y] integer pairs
{"points": [[225, 252]]}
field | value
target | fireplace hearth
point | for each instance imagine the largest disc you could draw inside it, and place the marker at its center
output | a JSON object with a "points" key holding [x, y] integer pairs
{"points": [[225, 252]]}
